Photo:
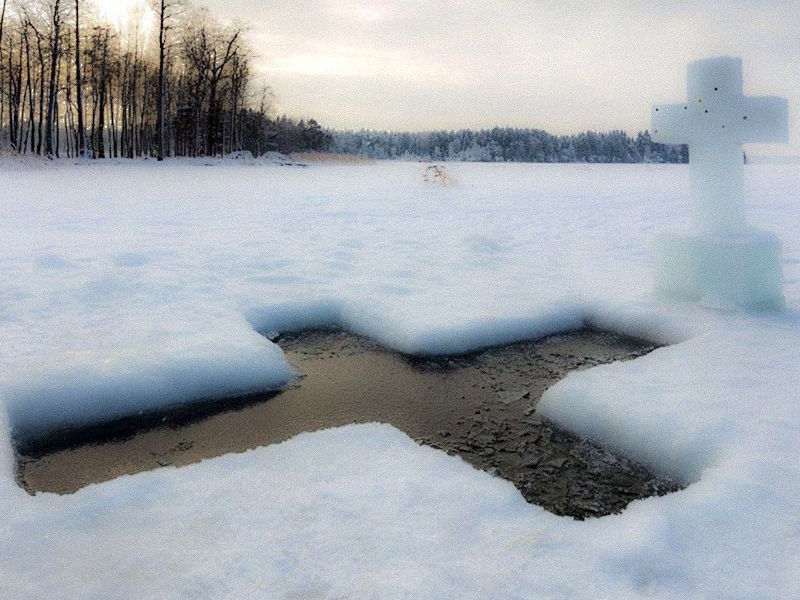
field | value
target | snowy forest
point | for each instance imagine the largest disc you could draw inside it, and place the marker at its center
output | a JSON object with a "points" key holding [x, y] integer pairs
{"points": [[178, 82], [174, 82], [509, 145]]}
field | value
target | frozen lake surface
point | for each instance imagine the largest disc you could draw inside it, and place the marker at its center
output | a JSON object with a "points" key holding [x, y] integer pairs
{"points": [[130, 287]]}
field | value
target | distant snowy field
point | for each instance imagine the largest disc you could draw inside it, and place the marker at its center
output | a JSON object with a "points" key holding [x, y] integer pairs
{"points": [[126, 287]]}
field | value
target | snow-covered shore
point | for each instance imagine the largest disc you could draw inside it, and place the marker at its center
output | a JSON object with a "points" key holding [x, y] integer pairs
{"points": [[128, 287]]}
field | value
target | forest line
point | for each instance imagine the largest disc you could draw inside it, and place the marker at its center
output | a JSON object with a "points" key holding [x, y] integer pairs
{"points": [[73, 85], [506, 144], [176, 81]]}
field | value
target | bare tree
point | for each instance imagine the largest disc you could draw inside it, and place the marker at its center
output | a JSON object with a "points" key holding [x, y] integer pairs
{"points": [[2, 21], [162, 14], [210, 51], [100, 49], [163, 9], [88, 88], [2, 65], [55, 40], [40, 80], [79, 82], [29, 89], [13, 91]]}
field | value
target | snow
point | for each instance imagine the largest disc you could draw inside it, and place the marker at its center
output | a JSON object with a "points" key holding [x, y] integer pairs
{"points": [[127, 288]]}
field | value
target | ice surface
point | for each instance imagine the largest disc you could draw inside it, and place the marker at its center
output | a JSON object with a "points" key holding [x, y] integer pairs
{"points": [[151, 280]]}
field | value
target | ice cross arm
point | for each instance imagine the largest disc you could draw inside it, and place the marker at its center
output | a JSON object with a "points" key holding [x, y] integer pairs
{"points": [[737, 120], [716, 112]]}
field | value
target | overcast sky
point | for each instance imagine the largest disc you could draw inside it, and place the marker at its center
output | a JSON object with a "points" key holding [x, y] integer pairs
{"points": [[561, 65]]}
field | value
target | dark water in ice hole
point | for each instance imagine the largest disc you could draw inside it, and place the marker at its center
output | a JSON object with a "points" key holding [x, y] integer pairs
{"points": [[479, 406]]}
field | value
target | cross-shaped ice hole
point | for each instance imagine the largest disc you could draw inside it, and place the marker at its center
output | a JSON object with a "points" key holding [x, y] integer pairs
{"points": [[715, 123], [479, 406]]}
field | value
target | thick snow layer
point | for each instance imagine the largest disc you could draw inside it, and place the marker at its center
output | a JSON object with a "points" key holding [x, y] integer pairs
{"points": [[127, 288], [142, 285]]}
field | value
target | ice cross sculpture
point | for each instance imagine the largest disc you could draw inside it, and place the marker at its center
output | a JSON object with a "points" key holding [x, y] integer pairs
{"points": [[715, 121], [723, 263]]}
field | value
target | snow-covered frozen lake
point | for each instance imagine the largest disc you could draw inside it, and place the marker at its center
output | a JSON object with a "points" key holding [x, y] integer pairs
{"points": [[130, 286]]}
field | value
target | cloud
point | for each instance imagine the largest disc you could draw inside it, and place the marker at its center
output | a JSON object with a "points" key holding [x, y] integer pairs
{"points": [[563, 66]]}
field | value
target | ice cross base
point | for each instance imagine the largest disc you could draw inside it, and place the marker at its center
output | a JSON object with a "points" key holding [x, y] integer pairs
{"points": [[725, 273], [724, 262]]}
